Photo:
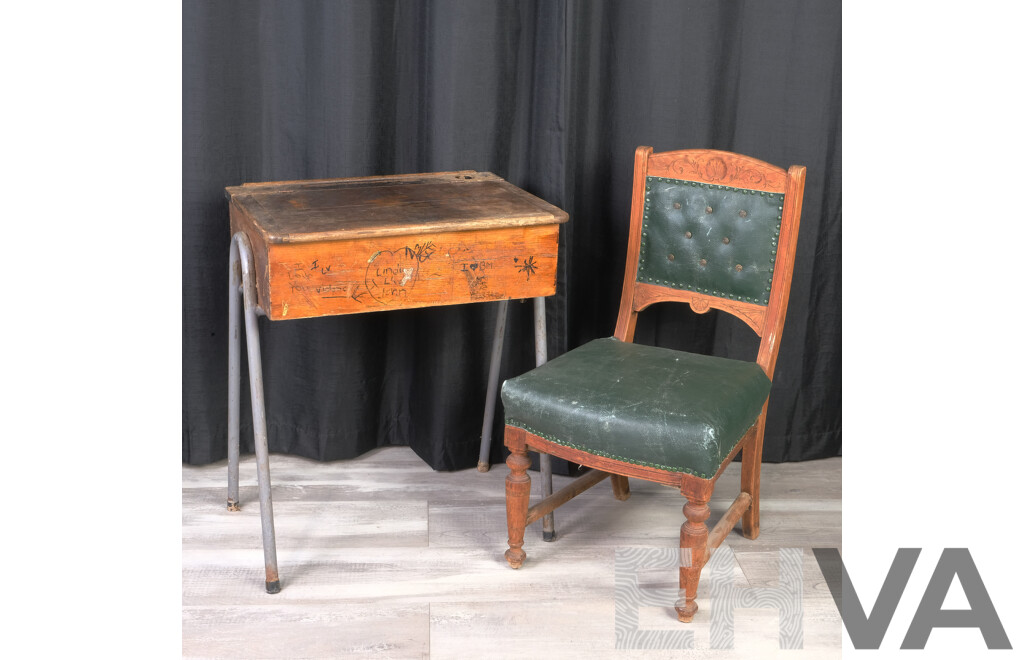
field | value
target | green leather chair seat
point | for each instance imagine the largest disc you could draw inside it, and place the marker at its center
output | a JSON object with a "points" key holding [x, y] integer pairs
{"points": [[640, 404]]}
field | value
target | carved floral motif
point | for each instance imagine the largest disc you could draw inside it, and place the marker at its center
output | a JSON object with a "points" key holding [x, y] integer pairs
{"points": [[713, 168]]}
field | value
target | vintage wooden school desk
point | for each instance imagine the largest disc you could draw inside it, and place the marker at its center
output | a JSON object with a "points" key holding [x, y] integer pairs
{"points": [[302, 249]]}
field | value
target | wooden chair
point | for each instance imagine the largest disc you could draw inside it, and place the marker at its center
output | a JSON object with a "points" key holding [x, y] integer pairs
{"points": [[712, 229]]}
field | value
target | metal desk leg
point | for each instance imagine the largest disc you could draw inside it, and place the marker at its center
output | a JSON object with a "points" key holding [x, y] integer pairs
{"points": [[540, 339], [234, 374], [241, 253], [484, 463]]}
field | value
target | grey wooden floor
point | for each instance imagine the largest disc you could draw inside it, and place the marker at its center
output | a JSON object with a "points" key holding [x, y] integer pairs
{"points": [[380, 556]]}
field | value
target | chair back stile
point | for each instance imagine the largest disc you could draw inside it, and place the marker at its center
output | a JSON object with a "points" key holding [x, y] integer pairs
{"points": [[696, 216]]}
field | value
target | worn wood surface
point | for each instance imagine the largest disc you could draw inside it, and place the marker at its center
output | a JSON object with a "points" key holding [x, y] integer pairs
{"points": [[345, 246], [392, 272], [620, 487], [693, 540], [383, 557], [563, 495], [720, 168], [725, 524], [689, 485], [750, 477], [394, 205]]}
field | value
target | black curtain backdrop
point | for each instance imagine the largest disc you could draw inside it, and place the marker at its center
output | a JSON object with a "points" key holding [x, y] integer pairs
{"points": [[554, 96]]}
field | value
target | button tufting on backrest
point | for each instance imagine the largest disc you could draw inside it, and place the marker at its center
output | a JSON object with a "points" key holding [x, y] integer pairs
{"points": [[719, 240]]}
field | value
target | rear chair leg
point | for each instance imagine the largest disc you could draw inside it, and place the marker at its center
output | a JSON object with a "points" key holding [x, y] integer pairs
{"points": [[620, 487], [517, 503], [693, 536], [750, 479], [548, 523]]}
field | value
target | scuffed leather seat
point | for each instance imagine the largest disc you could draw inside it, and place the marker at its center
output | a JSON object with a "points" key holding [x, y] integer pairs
{"points": [[644, 405]]}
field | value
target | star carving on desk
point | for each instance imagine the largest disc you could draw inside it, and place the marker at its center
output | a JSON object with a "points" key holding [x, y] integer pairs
{"points": [[529, 266]]}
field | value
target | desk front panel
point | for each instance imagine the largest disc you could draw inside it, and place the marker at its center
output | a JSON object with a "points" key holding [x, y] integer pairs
{"points": [[399, 272]]}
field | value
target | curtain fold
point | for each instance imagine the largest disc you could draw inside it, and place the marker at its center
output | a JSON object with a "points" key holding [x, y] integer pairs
{"points": [[554, 97]]}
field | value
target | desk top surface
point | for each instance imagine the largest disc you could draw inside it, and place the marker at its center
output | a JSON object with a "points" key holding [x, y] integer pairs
{"points": [[342, 209]]}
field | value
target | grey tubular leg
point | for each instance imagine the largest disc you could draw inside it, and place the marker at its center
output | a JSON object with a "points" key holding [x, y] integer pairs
{"points": [[484, 463], [234, 374], [540, 339], [259, 412]]}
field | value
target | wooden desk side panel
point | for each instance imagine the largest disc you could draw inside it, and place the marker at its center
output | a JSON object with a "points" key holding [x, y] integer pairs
{"points": [[399, 272], [241, 222]]}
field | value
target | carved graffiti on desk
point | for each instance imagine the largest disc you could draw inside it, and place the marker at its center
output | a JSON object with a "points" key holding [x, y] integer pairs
{"points": [[323, 269], [420, 252], [529, 265], [349, 290], [475, 273], [391, 274], [298, 278]]}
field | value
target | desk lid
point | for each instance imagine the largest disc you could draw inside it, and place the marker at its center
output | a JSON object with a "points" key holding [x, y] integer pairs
{"points": [[342, 209]]}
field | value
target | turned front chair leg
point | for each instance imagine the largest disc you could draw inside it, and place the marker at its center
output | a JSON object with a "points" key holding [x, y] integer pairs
{"points": [[693, 536], [234, 374], [750, 479], [517, 502]]}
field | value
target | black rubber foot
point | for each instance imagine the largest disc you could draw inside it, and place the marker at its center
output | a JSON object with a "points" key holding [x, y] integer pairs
{"points": [[273, 587], [549, 536]]}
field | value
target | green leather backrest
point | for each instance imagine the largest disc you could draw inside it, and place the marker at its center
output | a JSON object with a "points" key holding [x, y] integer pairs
{"points": [[711, 239]]}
